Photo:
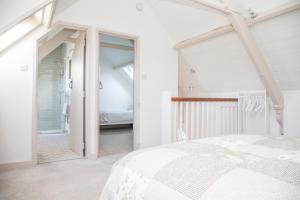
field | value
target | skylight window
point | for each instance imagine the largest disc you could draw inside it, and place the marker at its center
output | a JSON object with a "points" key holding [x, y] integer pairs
{"points": [[47, 14], [129, 71], [15, 33]]}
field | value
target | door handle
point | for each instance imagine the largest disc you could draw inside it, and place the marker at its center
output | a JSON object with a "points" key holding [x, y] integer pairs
{"points": [[71, 84]]}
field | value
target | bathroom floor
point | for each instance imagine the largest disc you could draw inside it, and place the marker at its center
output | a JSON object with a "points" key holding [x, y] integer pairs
{"points": [[54, 147]]}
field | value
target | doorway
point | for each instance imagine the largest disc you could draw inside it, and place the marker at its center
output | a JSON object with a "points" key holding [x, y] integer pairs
{"points": [[60, 96], [116, 94]]}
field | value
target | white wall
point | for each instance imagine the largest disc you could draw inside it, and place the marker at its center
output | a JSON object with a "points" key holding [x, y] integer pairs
{"points": [[221, 65], [158, 72], [279, 41], [158, 60], [292, 112], [16, 100], [117, 92]]}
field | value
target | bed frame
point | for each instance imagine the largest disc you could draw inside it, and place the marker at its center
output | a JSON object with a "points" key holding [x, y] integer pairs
{"points": [[116, 125]]}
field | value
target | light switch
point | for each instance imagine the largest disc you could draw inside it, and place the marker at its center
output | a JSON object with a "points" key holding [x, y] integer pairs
{"points": [[24, 68]]}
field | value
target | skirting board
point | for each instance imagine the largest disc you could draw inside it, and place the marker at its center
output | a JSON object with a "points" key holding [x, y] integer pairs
{"points": [[15, 165]]}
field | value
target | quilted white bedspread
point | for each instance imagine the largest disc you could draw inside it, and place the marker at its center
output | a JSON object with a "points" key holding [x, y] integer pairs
{"points": [[222, 168]]}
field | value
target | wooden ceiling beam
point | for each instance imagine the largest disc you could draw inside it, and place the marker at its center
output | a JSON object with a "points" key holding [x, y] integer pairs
{"points": [[242, 28], [49, 45], [220, 7], [270, 14], [205, 36], [281, 10]]}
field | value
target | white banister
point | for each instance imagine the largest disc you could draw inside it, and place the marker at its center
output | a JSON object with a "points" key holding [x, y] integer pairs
{"points": [[194, 118], [204, 117]]}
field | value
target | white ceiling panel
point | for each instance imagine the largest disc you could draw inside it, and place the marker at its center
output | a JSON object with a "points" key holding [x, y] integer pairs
{"points": [[279, 40], [259, 6], [221, 65], [183, 19], [61, 5]]}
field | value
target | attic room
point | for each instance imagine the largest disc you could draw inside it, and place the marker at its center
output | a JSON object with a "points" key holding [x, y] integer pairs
{"points": [[149, 99]]}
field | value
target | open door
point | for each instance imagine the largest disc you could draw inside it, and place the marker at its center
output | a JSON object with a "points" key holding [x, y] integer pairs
{"points": [[77, 96]]}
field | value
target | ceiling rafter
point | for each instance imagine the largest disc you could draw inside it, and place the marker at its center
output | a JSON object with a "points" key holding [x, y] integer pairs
{"points": [[275, 12], [242, 29], [204, 36], [270, 14], [242, 25], [220, 7]]}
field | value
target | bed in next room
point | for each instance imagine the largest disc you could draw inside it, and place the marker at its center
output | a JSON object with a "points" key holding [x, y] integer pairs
{"points": [[235, 167], [116, 118]]}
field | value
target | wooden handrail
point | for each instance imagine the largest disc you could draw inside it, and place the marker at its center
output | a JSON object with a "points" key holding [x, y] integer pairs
{"points": [[191, 99]]}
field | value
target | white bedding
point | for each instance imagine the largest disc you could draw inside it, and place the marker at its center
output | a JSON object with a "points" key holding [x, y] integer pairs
{"points": [[223, 168], [112, 118]]}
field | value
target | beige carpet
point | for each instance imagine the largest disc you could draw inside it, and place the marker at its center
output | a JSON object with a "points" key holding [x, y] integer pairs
{"points": [[115, 141], [66, 180], [54, 147]]}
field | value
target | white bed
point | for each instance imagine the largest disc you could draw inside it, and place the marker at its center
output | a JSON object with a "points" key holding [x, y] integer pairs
{"points": [[236, 167], [116, 118]]}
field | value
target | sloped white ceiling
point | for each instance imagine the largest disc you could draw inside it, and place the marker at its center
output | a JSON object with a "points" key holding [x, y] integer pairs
{"points": [[224, 57], [116, 56], [221, 65], [12, 10], [258, 6], [279, 40], [61, 5], [183, 19]]}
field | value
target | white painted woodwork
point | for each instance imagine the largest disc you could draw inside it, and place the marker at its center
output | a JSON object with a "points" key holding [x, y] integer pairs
{"points": [[166, 127], [220, 7], [205, 36], [53, 43], [275, 12], [279, 41], [267, 15], [242, 28], [199, 119], [203, 119], [77, 97]]}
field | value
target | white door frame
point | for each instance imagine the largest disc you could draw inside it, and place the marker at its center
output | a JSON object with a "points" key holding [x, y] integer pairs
{"points": [[56, 28], [136, 81]]}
